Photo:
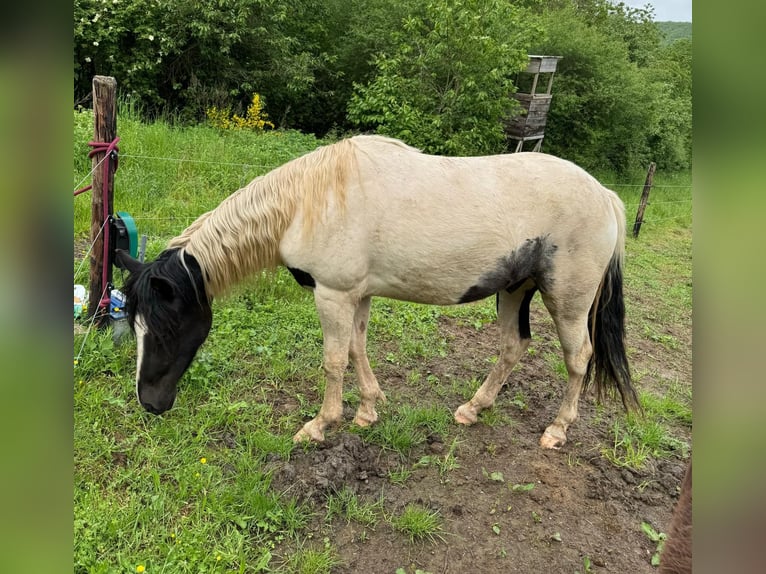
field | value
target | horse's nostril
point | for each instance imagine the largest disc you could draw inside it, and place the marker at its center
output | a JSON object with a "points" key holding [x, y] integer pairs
{"points": [[151, 408]]}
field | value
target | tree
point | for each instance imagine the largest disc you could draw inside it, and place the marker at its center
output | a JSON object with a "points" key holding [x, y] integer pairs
{"points": [[601, 106], [670, 133], [446, 85], [188, 56], [438, 74]]}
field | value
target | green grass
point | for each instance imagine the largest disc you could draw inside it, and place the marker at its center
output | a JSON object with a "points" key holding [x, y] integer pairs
{"points": [[408, 427], [658, 261], [142, 495], [399, 475], [556, 363], [445, 464], [167, 176], [673, 406], [496, 415], [346, 504], [312, 561], [466, 389], [419, 524], [638, 438], [641, 436]]}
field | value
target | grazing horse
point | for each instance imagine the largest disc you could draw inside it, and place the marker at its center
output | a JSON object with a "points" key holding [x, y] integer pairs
{"points": [[370, 216]]}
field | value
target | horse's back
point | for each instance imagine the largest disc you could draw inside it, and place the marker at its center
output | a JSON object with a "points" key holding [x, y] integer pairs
{"points": [[425, 228], [477, 199], [403, 173]]}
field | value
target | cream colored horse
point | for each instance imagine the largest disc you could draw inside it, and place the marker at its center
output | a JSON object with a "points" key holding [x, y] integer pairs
{"points": [[371, 216]]}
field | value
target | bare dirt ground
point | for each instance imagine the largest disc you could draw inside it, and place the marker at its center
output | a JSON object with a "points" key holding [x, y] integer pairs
{"points": [[581, 504]]}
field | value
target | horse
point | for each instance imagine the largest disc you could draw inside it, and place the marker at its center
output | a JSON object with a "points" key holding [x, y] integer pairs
{"points": [[676, 557], [369, 216]]}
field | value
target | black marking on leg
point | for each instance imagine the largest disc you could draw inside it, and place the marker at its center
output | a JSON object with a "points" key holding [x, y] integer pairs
{"points": [[531, 260], [524, 330], [516, 285], [304, 279]]}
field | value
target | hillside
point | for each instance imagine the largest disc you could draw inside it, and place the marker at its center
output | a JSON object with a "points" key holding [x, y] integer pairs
{"points": [[673, 31]]}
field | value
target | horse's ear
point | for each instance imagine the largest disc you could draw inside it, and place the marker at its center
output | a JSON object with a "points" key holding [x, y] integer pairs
{"points": [[162, 288], [123, 260]]}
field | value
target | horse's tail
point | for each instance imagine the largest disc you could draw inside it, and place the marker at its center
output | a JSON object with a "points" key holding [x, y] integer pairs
{"points": [[608, 366]]}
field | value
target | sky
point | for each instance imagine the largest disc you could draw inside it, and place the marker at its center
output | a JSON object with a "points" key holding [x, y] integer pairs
{"points": [[665, 10]]}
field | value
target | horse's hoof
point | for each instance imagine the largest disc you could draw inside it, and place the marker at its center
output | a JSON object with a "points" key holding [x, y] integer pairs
{"points": [[465, 416], [361, 422], [552, 439], [308, 435], [365, 420]]}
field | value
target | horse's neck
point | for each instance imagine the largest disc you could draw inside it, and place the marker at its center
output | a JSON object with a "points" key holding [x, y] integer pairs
{"points": [[239, 237]]}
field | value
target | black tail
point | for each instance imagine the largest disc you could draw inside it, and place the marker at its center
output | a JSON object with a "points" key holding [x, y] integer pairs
{"points": [[608, 366]]}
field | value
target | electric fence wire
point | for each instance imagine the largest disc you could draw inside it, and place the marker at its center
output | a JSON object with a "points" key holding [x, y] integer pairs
{"points": [[78, 186], [87, 253], [187, 160], [87, 332]]}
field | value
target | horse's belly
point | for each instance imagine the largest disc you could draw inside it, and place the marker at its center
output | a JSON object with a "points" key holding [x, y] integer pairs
{"points": [[413, 290], [443, 284]]}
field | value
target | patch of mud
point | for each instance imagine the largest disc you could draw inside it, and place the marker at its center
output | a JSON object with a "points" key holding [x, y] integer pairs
{"points": [[342, 461], [81, 247]]}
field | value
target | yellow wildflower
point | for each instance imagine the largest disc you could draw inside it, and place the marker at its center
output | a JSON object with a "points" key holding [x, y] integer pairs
{"points": [[255, 118]]}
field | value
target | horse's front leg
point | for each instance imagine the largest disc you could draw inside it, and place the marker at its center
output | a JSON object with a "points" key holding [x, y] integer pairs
{"points": [[369, 390], [336, 314]]}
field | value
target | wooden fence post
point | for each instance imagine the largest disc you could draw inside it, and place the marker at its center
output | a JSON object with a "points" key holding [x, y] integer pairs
{"points": [[105, 112], [644, 200]]}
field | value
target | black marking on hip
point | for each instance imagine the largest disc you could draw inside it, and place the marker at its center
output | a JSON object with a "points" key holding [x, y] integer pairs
{"points": [[304, 279], [531, 260]]}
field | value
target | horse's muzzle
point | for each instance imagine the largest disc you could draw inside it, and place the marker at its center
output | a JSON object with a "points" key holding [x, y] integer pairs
{"points": [[152, 409]]}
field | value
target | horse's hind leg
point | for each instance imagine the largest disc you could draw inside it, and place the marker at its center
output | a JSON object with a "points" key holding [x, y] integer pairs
{"points": [[513, 320], [571, 318], [336, 313], [368, 385]]}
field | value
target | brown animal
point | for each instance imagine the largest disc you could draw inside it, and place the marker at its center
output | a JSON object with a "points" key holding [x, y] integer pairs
{"points": [[677, 556]]}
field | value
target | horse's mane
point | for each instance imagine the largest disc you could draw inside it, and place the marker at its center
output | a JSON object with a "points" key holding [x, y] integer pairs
{"points": [[241, 236]]}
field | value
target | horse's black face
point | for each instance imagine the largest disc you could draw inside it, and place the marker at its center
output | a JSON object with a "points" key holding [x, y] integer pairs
{"points": [[170, 314]]}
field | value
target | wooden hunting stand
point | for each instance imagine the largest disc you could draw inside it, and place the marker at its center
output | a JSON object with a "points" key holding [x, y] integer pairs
{"points": [[530, 125]]}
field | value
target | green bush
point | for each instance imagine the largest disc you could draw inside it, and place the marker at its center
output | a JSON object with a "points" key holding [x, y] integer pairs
{"points": [[599, 107], [670, 134], [185, 57], [446, 87]]}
